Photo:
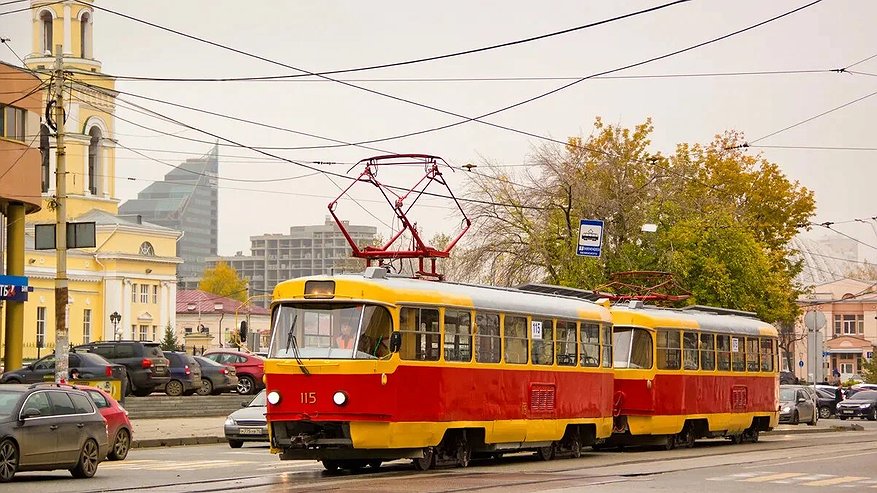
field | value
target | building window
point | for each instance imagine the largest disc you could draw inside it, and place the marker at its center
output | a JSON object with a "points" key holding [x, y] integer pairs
{"points": [[147, 249], [155, 294], [94, 156], [12, 122], [846, 368], [187, 330], [144, 332], [41, 326], [85, 35], [144, 293], [155, 332], [46, 25], [134, 293], [849, 325], [86, 325]]}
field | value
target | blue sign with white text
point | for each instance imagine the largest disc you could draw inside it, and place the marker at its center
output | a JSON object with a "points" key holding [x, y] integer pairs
{"points": [[590, 238], [14, 288]]}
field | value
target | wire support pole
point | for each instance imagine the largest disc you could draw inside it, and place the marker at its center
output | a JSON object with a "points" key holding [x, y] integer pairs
{"points": [[62, 336]]}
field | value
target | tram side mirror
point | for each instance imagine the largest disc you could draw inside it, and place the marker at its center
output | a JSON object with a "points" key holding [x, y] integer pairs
{"points": [[395, 342]]}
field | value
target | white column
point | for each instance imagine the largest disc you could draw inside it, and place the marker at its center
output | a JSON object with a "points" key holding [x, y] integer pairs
{"points": [[68, 44], [115, 302], [103, 161]]}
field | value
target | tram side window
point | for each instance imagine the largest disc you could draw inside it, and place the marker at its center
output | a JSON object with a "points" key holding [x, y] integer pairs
{"points": [[566, 343], [767, 354], [633, 348], [707, 352], [669, 352], [488, 339], [590, 344], [738, 354], [420, 334], [689, 351], [458, 335], [516, 344], [723, 347], [543, 347], [751, 354], [606, 344]]}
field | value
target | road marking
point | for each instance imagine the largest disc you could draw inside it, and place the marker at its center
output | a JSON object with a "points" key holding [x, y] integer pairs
{"points": [[736, 477], [772, 477], [833, 481], [160, 465]]}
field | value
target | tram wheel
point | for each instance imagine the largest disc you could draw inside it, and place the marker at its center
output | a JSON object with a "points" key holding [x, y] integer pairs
{"points": [[753, 436], [575, 446], [331, 465], [464, 452], [686, 438], [545, 453], [737, 439], [352, 464], [375, 463], [426, 462], [670, 442]]}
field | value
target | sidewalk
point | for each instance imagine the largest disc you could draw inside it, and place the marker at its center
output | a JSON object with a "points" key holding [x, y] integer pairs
{"points": [[168, 432]]}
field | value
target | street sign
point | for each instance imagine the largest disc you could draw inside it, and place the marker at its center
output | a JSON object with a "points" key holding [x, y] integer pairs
{"points": [[590, 238], [801, 363], [14, 288], [825, 353], [79, 235]]}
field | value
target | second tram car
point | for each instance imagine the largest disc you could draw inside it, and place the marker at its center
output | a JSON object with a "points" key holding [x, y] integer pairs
{"points": [[369, 368]]}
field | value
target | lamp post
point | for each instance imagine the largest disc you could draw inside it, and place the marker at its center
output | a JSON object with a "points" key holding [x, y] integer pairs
{"points": [[220, 308], [115, 318]]}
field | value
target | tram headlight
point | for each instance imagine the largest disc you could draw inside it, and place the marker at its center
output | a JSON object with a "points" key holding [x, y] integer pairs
{"points": [[273, 397], [339, 398]]}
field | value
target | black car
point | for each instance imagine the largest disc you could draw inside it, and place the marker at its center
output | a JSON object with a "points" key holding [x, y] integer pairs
{"points": [[83, 366], [861, 405], [45, 427], [216, 378], [826, 402], [147, 367], [185, 374]]}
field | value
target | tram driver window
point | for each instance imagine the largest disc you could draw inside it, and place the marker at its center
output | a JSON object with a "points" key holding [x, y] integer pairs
{"points": [[543, 347], [566, 343], [458, 335], [669, 352], [723, 350], [590, 344], [708, 352], [516, 344], [633, 348], [689, 351], [420, 334], [488, 340]]}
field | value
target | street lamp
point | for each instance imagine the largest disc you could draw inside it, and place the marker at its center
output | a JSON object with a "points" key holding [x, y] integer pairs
{"points": [[115, 318]]}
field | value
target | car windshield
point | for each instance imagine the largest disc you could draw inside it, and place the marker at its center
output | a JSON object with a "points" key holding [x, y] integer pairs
{"points": [[330, 331], [867, 395], [787, 395], [7, 402], [258, 401]]}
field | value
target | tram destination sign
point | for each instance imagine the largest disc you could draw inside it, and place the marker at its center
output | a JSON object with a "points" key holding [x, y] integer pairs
{"points": [[590, 238], [14, 288]]}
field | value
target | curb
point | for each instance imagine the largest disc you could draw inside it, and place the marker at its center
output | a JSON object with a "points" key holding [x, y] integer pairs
{"points": [[808, 430], [176, 442]]}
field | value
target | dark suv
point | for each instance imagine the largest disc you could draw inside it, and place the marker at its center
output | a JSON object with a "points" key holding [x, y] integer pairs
{"points": [[185, 374], [45, 427], [147, 367]]}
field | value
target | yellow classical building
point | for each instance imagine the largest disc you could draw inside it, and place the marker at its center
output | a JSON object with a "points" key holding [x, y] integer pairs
{"points": [[132, 270]]}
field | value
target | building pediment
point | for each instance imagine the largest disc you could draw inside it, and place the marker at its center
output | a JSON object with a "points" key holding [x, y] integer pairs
{"points": [[144, 317], [848, 344]]}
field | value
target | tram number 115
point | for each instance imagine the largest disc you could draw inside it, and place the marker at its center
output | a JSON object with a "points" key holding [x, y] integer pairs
{"points": [[308, 397]]}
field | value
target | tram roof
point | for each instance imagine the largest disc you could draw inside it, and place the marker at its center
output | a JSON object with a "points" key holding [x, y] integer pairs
{"points": [[489, 298], [703, 318]]}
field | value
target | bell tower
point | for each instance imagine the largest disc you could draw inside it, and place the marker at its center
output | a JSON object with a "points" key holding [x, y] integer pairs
{"points": [[89, 98]]}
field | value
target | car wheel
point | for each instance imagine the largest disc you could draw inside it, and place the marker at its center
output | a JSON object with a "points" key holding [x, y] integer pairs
{"points": [[88, 460], [129, 389], [873, 416], [246, 385], [12, 380], [795, 419], [235, 443], [121, 445], [206, 387], [174, 388], [8, 460], [842, 418], [824, 412]]}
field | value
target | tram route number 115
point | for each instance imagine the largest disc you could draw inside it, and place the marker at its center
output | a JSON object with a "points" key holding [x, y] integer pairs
{"points": [[308, 397]]}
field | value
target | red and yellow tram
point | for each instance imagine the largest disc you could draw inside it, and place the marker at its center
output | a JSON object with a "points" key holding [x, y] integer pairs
{"points": [[436, 372]]}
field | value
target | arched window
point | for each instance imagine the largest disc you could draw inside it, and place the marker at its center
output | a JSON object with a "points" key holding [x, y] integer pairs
{"points": [[85, 35], [46, 27], [94, 156], [146, 249]]}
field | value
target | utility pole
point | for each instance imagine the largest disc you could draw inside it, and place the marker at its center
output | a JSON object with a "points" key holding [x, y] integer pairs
{"points": [[61, 289]]}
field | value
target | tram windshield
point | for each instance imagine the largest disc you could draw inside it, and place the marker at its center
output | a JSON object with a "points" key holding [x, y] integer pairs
{"points": [[633, 348], [331, 331]]}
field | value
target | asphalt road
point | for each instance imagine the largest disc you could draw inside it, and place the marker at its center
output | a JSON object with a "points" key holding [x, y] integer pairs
{"points": [[818, 462]]}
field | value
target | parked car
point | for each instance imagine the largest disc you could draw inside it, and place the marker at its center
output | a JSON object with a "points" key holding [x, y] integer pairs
{"points": [[862, 405], [788, 378], [249, 423], [249, 368], [797, 404], [119, 429], [84, 366], [45, 427], [147, 367], [185, 374], [216, 378], [826, 403]]}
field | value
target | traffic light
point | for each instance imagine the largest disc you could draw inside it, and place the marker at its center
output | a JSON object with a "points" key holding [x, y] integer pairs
{"points": [[243, 331]]}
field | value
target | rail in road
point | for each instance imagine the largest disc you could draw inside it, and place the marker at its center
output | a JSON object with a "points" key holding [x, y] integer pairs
{"points": [[163, 406]]}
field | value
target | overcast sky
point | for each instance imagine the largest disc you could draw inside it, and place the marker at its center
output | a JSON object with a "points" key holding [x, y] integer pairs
{"points": [[327, 35]]}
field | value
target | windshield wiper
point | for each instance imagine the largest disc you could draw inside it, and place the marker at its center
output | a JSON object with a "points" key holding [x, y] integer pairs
{"points": [[291, 342]]}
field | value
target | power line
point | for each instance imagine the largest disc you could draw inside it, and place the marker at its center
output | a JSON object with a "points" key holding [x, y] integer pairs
{"points": [[827, 226], [29, 8], [815, 148], [860, 61]]}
